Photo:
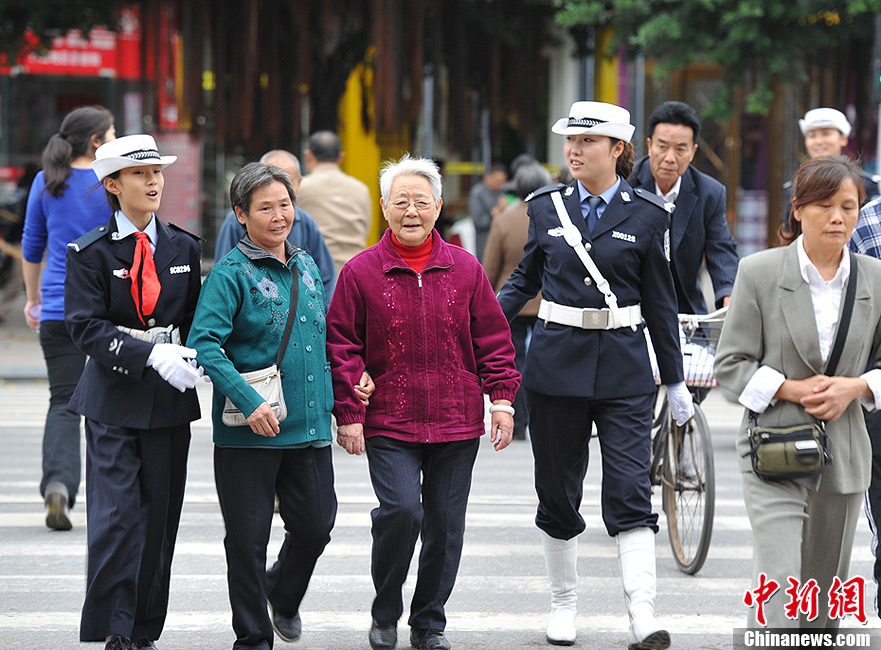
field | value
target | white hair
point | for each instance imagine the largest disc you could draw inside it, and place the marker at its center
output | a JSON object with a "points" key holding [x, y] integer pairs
{"points": [[408, 166]]}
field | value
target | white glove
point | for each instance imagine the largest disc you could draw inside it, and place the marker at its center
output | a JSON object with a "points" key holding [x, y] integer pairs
{"points": [[681, 404], [200, 370], [170, 361]]}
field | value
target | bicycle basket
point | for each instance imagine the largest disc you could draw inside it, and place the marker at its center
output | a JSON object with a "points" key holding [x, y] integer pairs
{"points": [[698, 337]]}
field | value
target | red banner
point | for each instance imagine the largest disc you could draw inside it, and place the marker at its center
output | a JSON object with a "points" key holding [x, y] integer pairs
{"points": [[103, 54]]}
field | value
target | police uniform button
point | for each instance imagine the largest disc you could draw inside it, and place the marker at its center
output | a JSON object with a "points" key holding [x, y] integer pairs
{"points": [[588, 281], [587, 246], [102, 228], [151, 322]]}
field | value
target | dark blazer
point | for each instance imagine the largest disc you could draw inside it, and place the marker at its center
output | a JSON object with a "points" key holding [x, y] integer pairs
{"points": [[771, 322], [629, 246], [699, 228], [116, 387]]}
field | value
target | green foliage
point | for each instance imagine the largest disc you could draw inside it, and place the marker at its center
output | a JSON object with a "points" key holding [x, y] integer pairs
{"points": [[757, 42], [47, 19]]}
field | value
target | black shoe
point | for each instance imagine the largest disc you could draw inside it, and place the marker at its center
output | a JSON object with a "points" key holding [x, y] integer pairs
{"points": [[288, 628], [383, 637], [145, 644], [119, 642], [659, 640], [428, 639], [56, 503]]}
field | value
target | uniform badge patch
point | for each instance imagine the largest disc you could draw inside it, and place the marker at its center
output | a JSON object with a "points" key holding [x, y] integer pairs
{"points": [[624, 236], [120, 273], [183, 268], [667, 244], [556, 232], [625, 196], [569, 191]]}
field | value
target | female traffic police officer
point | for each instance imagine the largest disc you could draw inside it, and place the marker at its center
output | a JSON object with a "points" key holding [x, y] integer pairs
{"points": [[130, 295], [598, 251]]}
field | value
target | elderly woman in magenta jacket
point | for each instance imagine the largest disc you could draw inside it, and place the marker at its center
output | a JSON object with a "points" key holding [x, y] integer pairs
{"points": [[420, 316]]}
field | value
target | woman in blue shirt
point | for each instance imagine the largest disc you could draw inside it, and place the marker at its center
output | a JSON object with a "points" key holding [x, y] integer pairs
{"points": [[61, 207]]}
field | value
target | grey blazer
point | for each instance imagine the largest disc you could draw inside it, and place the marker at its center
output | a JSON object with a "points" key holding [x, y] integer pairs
{"points": [[771, 322]]}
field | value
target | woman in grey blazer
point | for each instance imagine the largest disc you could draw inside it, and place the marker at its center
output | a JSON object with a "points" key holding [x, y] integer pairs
{"points": [[773, 350]]}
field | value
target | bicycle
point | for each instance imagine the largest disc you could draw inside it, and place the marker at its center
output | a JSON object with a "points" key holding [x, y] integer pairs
{"points": [[682, 457]]}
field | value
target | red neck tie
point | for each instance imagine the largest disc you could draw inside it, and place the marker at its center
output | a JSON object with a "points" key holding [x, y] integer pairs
{"points": [[145, 282]]}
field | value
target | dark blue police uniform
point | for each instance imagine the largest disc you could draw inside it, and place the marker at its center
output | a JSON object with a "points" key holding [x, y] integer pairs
{"points": [[576, 376], [137, 426]]}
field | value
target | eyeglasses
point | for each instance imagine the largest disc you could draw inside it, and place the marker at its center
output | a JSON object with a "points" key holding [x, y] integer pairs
{"points": [[421, 205]]}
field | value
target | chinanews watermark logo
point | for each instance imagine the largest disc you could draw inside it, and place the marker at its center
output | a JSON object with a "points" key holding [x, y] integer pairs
{"points": [[843, 639], [844, 598]]}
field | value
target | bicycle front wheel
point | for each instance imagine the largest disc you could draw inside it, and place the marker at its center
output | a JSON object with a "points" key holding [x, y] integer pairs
{"points": [[689, 491]]}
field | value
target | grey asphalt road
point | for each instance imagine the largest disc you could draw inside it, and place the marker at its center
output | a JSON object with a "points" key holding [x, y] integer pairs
{"points": [[500, 600]]}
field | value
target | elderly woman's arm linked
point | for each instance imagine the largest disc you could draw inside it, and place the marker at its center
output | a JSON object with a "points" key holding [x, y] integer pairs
{"points": [[346, 323], [494, 353]]}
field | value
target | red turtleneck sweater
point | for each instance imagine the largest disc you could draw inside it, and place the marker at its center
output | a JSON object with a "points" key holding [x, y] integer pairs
{"points": [[416, 257]]}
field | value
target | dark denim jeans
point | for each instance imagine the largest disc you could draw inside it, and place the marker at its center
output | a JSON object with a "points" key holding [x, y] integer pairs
{"points": [[61, 436]]}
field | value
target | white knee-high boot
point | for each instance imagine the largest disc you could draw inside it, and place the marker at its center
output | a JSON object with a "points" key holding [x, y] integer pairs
{"points": [[561, 559], [636, 556]]}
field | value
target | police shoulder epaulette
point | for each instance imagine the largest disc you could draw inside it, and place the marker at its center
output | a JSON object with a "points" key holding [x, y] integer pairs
{"points": [[651, 197], [546, 189], [186, 232], [88, 239]]}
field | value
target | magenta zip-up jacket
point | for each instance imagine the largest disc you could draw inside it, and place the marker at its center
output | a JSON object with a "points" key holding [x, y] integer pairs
{"points": [[434, 343]]}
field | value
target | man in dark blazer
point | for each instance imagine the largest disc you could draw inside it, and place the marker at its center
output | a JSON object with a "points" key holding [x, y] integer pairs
{"points": [[699, 229]]}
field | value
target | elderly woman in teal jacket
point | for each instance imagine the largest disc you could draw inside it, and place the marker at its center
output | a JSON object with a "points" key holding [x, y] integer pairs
{"points": [[238, 327]]}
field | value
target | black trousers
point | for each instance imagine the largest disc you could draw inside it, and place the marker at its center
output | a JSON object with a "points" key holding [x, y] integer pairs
{"points": [[61, 435], [247, 481], [135, 491], [873, 496], [422, 489], [560, 429]]}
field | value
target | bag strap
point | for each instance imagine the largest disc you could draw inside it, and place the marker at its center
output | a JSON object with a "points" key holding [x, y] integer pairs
{"points": [[573, 237], [292, 313], [844, 323]]}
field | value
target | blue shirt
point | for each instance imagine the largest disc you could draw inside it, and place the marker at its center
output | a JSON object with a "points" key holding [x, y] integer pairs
{"points": [[52, 223], [124, 228], [304, 234], [606, 197]]}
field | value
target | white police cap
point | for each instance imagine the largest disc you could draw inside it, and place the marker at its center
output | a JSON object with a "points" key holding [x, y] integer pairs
{"points": [[824, 118], [597, 118]]}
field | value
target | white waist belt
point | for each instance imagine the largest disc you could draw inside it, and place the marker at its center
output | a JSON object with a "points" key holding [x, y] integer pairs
{"points": [[589, 319], [170, 334]]}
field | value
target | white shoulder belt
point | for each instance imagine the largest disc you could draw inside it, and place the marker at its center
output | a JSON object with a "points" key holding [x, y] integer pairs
{"points": [[617, 317]]}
